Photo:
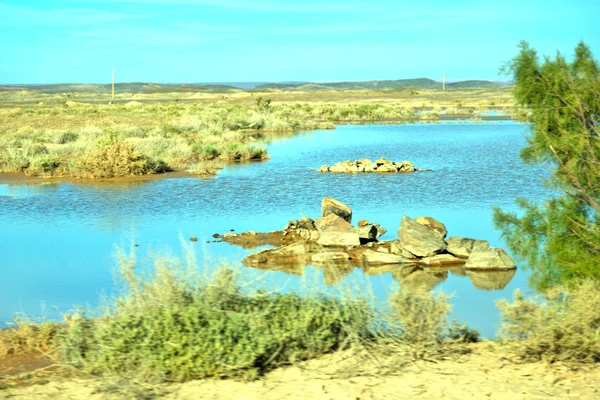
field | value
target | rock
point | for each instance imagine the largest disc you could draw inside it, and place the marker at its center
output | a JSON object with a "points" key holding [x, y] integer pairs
{"points": [[462, 247], [406, 166], [324, 168], [396, 248], [489, 258], [418, 239], [490, 280], [380, 230], [330, 257], [386, 168], [339, 238], [343, 168], [332, 222], [382, 161], [436, 226], [383, 250], [441, 260], [365, 161], [376, 257], [367, 233], [228, 235], [193, 239], [294, 249], [295, 253], [330, 205], [306, 223], [363, 222]]}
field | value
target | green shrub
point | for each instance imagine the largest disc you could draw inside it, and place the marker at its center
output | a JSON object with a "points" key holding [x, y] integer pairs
{"points": [[565, 327], [43, 164], [113, 157], [67, 137], [175, 328]]}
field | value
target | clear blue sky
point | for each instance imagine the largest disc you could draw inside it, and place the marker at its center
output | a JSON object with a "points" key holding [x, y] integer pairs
{"points": [[55, 41]]}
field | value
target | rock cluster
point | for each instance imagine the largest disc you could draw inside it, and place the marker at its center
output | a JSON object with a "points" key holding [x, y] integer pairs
{"points": [[332, 239], [366, 165]]}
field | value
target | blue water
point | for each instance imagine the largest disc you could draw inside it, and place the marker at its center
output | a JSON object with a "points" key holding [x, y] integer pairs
{"points": [[57, 240]]}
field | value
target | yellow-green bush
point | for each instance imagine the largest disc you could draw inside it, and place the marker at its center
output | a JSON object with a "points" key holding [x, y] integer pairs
{"points": [[563, 327]]}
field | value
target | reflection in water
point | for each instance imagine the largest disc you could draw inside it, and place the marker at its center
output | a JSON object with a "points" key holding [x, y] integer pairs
{"points": [[419, 279], [491, 280]]}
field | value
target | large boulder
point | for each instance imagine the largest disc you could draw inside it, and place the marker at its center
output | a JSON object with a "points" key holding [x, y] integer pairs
{"points": [[436, 226], [489, 258], [420, 240], [332, 222], [463, 247], [339, 238], [377, 257], [333, 206]]}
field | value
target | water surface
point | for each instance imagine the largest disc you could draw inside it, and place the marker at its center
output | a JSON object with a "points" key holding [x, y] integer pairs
{"points": [[57, 241]]}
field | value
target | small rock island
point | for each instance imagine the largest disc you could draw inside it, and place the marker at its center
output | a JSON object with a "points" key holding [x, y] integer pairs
{"points": [[366, 165], [332, 239]]}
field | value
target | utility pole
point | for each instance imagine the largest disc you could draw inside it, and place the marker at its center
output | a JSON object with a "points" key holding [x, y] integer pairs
{"points": [[444, 80], [113, 83]]}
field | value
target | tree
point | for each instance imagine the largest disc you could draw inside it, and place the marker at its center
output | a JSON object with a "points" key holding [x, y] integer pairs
{"points": [[559, 239]]}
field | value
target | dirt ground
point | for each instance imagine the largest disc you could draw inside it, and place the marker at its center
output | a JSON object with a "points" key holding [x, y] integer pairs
{"points": [[483, 374]]}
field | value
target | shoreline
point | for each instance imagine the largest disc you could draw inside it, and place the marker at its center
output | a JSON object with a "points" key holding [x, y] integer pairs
{"points": [[16, 178]]}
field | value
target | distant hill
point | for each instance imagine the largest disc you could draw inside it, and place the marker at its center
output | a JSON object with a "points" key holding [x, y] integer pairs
{"points": [[420, 83], [133, 87], [143, 87]]}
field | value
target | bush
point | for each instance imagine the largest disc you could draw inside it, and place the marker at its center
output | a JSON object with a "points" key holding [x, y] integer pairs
{"points": [[26, 336], [113, 157], [565, 327], [43, 164], [67, 137], [176, 328]]}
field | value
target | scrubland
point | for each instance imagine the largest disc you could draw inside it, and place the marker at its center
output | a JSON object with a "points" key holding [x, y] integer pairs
{"points": [[83, 136], [172, 323]]}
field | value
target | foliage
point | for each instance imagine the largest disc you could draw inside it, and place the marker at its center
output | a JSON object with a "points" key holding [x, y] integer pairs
{"points": [[561, 238], [564, 328], [176, 327], [25, 336], [113, 157]]}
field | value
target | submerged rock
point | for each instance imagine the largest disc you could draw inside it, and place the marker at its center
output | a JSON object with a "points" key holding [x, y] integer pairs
{"points": [[420, 240]]}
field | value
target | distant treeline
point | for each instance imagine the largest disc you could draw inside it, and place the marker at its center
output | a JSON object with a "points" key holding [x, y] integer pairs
{"points": [[143, 87]]}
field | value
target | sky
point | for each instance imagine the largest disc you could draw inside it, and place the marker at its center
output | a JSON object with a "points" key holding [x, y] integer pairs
{"points": [[190, 41]]}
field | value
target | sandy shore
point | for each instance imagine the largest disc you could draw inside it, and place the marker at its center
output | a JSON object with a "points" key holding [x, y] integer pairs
{"points": [[484, 374]]}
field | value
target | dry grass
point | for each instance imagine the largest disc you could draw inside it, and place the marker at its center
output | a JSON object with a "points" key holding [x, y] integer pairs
{"points": [[565, 326], [25, 336]]}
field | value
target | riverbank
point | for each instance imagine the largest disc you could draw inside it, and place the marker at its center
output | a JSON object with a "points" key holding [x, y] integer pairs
{"points": [[484, 373], [80, 138]]}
